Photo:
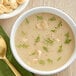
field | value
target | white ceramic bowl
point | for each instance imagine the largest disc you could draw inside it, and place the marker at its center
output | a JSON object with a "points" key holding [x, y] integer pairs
{"points": [[16, 11], [38, 10]]}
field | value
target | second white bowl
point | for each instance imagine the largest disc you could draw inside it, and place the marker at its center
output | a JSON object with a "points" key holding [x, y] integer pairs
{"points": [[16, 11]]}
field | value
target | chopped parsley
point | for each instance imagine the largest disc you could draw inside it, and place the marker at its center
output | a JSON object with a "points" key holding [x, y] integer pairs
{"points": [[59, 25], [33, 53], [67, 38], [52, 18], [45, 48], [27, 21], [49, 41], [23, 45], [59, 58], [49, 60], [42, 62], [67, 34], [23, 33], [39, 17], [60, 49], [67, 41], [54, 30], [37, 39]]}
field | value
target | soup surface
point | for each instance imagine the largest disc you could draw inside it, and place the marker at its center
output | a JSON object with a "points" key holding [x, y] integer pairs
{"points": [[44, 41]]}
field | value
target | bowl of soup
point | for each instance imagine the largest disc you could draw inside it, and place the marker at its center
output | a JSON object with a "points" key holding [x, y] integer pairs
{"points": [[43, 40]]}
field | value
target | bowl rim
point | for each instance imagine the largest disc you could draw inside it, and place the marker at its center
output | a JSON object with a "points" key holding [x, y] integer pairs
{"points": [[36, 10], [15, 12]]}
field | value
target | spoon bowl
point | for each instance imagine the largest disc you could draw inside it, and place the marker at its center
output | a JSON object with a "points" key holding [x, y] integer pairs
{"points": [[3, 48]]}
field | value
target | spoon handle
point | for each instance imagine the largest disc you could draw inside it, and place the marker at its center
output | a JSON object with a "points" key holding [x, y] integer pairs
{"points": [[12, 67]]}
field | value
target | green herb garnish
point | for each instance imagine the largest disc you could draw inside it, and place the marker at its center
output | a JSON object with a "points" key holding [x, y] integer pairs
{"points": [[49, 41], [49, 60], [33, 53], [45, 48], [67, 41], [53, 30], [23, 33], [42, 62], [39, 17], [67, 34], [27, 21], [59, 25], [52, 19], [67, 38], [60, 49], [37, 39], [23, 45], [59, 58]]}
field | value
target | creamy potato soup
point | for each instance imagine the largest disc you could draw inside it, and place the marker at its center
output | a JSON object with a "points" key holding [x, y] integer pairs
{"points": [[44, 41]]}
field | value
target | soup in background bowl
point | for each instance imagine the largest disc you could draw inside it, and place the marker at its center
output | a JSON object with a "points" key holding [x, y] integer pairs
{"points": [[44, 40]]}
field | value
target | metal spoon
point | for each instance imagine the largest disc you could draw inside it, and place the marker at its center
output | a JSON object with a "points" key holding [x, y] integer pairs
{"points": [[3, 49]]}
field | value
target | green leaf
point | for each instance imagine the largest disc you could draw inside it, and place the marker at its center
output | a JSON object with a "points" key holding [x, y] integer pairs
{"points": [[5, 70]]}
